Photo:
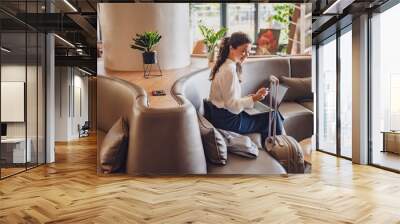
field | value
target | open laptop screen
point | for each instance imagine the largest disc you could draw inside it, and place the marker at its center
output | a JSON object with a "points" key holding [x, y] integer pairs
{"points": [[282, 89]]}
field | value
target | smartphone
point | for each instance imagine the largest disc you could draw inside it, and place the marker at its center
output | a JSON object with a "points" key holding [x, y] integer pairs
{"points": [[158, 93]]}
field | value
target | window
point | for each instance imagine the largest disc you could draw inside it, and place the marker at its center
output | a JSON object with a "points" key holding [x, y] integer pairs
{"points": [[327, 96], [294, 31], [385, 85], [284, 33], [346, 75], [240, 17], [206, 14]]}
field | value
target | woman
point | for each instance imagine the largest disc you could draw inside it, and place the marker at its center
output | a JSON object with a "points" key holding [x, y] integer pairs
{"points": [[226, 111]]}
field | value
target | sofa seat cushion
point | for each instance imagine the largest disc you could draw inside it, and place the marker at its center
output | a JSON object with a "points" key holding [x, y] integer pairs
{"points": [[256, 138], [264, 164], [298, 120], [291, 109], [309, 104]]}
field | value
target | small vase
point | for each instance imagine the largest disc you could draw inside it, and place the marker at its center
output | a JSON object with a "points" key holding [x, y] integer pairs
{"points": [[211, 56]]}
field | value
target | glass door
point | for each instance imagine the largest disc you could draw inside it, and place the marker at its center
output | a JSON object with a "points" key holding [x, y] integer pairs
{"points": [[14, 153], [22, 77], [346, 92], [326, 96]]}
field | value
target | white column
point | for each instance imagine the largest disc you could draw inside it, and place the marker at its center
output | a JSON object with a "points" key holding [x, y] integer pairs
{"points": [[121, 22], [50, 99], [360, 90]]}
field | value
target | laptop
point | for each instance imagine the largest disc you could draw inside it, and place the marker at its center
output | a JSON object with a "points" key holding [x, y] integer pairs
{"points": [[261, 107]]}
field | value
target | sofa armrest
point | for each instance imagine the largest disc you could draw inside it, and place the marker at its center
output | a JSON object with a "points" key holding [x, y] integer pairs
{"points": [[165, 141], [298, 120]]}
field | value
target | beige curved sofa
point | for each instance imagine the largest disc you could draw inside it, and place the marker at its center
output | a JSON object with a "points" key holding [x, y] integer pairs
{"points": [[168, 141], [298, 120], [161, 141]]}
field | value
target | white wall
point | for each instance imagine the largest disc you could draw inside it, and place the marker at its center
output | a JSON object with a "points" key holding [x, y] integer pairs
{"points": [[69, 82], [12, 73], [120, 23]]}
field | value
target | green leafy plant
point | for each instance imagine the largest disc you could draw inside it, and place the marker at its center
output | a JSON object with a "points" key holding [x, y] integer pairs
{"points": [[211, 37], [283, 14], [146, 42]]}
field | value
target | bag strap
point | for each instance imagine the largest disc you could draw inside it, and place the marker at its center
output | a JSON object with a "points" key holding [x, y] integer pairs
{"points": [[274, 82]]}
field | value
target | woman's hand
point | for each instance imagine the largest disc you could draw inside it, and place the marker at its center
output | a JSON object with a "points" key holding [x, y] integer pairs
{"points": [[260, 94]]}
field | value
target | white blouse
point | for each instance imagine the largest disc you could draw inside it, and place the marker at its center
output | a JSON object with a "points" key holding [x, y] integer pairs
{"points": [[226, 91]]}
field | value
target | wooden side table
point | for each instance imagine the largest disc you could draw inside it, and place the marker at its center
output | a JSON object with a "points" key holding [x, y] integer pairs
{"points": [[391, 141]]}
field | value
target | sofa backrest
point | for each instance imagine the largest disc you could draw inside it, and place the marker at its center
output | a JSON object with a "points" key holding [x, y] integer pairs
{"points": [[194, 87], [300, 66], [115, 99], [256, 72]]}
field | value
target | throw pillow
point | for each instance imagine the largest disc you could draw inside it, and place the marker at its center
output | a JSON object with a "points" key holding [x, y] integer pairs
{"points": [[213, 142], [114, 147], [299, 88], [239, 144]]}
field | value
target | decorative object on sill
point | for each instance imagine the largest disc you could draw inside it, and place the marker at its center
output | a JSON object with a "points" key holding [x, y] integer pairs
{"points": [[211, 39], [391, 141], [158, 93], [199, 48], [267, 41], [146, 42]]}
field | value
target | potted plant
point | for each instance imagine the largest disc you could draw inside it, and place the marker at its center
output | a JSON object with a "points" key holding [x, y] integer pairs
{"points": [[211, 39], [146, 42]]}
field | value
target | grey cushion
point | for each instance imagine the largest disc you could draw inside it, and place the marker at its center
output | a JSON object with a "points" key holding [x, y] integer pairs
{"points": [[114, 147], [299, 88], [256, 138], [239, 144], [214, 144]]}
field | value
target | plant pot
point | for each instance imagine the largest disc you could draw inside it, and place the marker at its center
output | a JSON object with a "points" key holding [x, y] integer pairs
{"points": [[149, 57]]}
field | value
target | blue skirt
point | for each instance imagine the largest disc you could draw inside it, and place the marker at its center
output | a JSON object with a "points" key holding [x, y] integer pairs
{"points": [[241, 123]]}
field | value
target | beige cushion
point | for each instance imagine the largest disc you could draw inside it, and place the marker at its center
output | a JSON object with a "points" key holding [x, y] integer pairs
{"points": [[213, 142], [299, 88], [114, 147], [309, 104]]}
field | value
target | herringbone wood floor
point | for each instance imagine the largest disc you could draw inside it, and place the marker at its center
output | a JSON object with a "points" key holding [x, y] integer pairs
{"points": [[70, 191]]}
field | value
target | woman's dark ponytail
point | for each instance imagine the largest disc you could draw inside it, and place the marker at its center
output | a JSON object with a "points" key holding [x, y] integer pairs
{"points": [[222, 56], [234, 41]]}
